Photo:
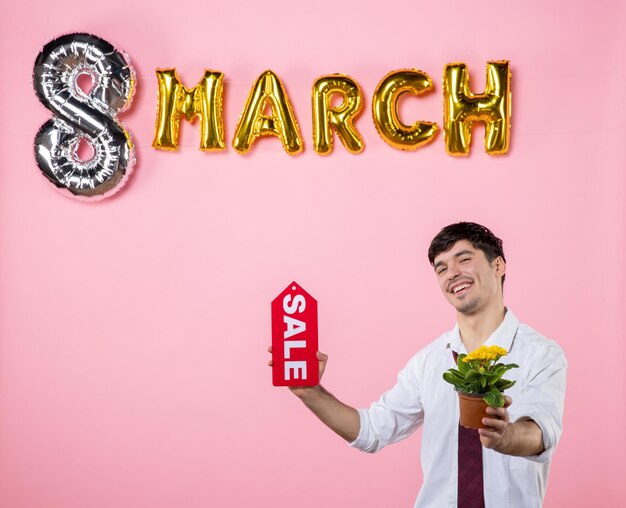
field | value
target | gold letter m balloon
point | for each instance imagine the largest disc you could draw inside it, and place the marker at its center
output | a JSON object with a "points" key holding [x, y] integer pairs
{"points": [[462, 108], [204, 101]]}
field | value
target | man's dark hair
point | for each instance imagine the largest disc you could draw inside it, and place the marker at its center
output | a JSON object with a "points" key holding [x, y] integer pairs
{"points": [[479, 236]]}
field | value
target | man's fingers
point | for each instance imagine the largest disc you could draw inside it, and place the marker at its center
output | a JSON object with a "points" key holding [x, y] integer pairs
{"points": [[499, 425], [320, 356], [488, 437], [496, 423], [499, 412], [488, 433]]}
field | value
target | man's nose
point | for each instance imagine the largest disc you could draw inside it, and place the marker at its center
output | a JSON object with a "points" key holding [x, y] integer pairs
{"points": [[453, 272]]}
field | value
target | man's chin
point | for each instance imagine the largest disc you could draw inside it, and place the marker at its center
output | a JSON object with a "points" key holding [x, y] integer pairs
{"points": [[467, 307]]}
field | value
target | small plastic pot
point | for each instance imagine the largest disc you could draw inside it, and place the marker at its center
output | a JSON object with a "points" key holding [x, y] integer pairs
{"points": [[473, 410]]}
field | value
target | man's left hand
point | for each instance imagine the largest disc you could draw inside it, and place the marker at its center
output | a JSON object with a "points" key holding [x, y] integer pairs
{"points": [[495, 435]]}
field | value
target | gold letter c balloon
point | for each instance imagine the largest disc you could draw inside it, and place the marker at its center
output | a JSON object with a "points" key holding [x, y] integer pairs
{"points": [[462, 108], [385, 109]]}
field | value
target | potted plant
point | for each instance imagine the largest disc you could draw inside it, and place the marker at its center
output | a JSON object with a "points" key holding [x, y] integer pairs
{"points": [[478, 381]]}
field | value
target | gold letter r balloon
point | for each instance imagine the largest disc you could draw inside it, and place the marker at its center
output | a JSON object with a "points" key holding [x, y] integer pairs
{"points": [[462, 108], [341, 117]]}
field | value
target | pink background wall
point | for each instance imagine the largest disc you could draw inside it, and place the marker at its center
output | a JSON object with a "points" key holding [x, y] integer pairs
{"points": [[133, 331]]}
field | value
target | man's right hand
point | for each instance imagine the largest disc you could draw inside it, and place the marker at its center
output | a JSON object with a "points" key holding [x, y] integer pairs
{"points": [[339, 417], [300, 391]]}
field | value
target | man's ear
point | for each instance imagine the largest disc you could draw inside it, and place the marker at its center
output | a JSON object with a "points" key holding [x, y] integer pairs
{"points": [[499, 266]]}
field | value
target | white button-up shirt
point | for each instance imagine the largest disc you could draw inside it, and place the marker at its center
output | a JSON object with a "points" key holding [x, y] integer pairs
{"points": [[421, 396]]}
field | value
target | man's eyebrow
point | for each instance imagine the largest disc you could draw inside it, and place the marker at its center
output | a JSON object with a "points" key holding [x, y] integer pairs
{"points": [[456, 255], [463, 253]]}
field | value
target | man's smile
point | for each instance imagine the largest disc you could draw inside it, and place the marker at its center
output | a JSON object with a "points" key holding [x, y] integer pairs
{"points": [[459, 288]]}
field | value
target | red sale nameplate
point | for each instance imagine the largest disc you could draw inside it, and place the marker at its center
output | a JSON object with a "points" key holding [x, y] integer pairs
{"points": [[294, 338]]}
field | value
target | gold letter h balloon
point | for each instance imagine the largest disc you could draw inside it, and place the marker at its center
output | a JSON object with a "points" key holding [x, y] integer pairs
{"points": [[462, 108]]}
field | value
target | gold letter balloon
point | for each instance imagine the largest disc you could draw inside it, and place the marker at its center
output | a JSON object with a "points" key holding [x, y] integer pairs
{"points": [[385, 109], [84, 116], [340, 117], [204, 101], [462, 108], [268, 92]]}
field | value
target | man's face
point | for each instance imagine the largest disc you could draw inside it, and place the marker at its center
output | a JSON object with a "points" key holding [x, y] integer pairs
{"points": [[467, 279]]}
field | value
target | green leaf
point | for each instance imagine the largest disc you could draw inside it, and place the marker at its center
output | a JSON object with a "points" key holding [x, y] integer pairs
{"points": [[494, 398], [456, 381], [499, 371], [474, 375], [463, 366], [475, 387], [504, 384], [476, 381], [495, 376], [456, 374]]}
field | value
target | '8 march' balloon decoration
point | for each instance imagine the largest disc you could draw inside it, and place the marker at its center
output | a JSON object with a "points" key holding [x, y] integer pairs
{"points": [[91, 116], [84, 116]]}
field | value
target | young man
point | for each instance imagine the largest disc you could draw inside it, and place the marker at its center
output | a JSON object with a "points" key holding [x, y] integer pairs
{"points": [[505, 465]]}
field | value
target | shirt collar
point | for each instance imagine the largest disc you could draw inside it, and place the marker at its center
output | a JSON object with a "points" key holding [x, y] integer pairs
{"points": [[502, 336]]}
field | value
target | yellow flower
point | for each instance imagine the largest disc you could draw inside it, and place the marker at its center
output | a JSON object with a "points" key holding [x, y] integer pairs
{"points": [[486, 353], [497, 350]]}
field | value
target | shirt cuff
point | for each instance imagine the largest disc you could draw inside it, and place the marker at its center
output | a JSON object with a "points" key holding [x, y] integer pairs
{"points": [[364, 439], [546, 433]]}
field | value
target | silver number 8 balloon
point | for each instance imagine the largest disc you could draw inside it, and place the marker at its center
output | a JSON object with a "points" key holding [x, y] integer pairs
{"points": [[84, 116]]}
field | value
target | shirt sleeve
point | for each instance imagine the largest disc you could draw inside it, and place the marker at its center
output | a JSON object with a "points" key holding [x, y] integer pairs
{"points": [[542, 397], [395, 416]]}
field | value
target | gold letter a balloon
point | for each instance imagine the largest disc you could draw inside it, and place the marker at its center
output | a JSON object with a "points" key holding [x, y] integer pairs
{"points": [[267, 90]]}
